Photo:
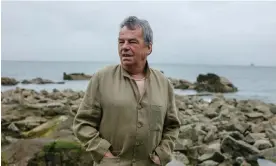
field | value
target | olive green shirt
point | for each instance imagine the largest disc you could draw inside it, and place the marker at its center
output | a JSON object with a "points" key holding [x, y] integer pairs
{"points": [[114, 116]]}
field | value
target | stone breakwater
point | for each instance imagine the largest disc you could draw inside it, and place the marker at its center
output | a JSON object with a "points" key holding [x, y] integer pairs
{"points": [[36, 129]]}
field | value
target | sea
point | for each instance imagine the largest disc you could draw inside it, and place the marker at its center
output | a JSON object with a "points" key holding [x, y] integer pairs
{"points": [[253, 82]]}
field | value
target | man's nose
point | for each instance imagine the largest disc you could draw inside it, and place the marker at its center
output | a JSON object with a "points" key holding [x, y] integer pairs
{"points": [[125, 46]]}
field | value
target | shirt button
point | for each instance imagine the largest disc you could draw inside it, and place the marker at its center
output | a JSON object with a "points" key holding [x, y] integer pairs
{"points": [[139, 106], [140, 124]]}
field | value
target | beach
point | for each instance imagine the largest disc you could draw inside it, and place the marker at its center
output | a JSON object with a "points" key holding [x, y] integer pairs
{"points": [[217, 128]]}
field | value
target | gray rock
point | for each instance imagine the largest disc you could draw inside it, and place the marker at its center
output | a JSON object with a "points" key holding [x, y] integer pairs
{"points": [[189, 112], [270, 133], [215, 156], [251, 138], [262, 144], [269, 153], [236, 135], [211, 135], [262, 108], [211, 113], [188, 132], [183, 144], [181, 158], [13, 127], [213, 147], [30, 122], [39, 80], [255, 115], [273, 109], [237, 148], [209, 163], [235, 125], [258, 128], [8, 81], [273, 142]]}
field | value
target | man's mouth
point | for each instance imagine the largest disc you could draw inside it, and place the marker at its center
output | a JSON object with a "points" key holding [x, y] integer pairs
{"points": [[127, 55]]}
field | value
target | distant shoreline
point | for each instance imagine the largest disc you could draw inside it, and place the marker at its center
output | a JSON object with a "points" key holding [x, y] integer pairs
{"points": [[152, 63]]}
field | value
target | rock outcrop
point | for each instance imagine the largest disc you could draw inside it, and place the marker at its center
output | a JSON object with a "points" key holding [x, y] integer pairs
{"points": [[214, 83], [76, 76], [39, 80], [205, 83], [8, 81], [181, 84]]}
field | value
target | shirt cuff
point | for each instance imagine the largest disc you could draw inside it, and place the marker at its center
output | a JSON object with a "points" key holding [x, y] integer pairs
{"points": [[163, 156]]}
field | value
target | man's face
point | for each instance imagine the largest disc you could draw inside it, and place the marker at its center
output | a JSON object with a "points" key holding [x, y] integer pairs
{"points": [[132, 48]]}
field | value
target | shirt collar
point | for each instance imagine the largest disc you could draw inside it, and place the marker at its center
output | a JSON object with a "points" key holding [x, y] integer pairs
{"points": [[126, 74]]}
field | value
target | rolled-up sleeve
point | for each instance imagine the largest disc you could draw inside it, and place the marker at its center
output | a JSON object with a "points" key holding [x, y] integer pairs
{"points": [[87, 120]]}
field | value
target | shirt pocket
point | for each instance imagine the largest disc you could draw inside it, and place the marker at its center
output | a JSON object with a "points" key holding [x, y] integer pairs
{"points": [[156, 118]]}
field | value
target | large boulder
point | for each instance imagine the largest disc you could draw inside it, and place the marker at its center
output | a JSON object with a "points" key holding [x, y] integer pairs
{"points": [[76, 76], [214, 83], [8, 81]]}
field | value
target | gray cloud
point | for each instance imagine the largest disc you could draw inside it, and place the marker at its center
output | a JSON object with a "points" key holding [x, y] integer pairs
{"points": [[184, 32]]}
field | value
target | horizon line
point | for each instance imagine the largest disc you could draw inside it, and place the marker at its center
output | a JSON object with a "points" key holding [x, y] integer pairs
{"points": [[158, 63]]}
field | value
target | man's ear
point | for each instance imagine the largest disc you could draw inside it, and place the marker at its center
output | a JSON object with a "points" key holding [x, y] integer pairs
{"points": [[149, 48]]}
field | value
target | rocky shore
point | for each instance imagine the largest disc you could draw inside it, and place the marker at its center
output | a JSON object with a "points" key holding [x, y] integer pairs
{"points": [[205, 82], [36, 129]]}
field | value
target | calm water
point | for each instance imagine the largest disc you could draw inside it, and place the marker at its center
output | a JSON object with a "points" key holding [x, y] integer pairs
{"points": [[253, 82]]}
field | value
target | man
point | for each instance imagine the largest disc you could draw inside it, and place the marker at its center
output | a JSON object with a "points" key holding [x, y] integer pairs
{"points": [[128, 115]]}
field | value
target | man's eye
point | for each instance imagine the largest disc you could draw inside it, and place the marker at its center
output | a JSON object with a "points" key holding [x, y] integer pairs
{"points": [[132, 42]]}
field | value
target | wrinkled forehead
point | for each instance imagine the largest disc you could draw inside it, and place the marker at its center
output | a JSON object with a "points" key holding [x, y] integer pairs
{"points": [[136, 32]]}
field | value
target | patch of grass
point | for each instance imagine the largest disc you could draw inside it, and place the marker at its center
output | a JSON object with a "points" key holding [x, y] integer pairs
{"points": [[62, 145]]}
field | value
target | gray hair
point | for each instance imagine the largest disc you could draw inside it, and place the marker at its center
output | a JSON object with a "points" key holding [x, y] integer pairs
{"points": [[132, 22]]}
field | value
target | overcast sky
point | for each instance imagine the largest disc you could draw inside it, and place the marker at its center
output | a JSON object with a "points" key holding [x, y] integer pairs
{"points": [[184, 32]]}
